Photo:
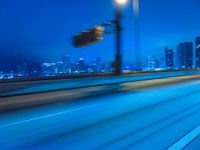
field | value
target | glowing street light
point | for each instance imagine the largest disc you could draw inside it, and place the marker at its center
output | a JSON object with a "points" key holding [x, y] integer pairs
{"points": [[121, 2]]}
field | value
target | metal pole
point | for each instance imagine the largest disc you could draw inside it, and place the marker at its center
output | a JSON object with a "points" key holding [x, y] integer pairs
{"points": [[118, 56], [137, 34]]}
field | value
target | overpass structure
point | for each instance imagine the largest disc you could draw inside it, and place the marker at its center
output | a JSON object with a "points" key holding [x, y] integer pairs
{"points": [[141, 111]]}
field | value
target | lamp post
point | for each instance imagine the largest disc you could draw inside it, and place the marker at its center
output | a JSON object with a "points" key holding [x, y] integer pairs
{"points": [[118, 28], [136, 12]]}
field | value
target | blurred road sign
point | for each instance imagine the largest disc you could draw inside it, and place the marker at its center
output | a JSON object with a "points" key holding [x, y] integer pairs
{"points": [[89, 37]]}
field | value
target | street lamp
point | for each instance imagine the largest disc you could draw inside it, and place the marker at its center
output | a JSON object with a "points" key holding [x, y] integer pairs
{"points": [[121, 2], [118, 28]]}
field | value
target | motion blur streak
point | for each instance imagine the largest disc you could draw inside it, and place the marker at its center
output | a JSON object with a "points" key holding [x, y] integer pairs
{"points": [[10, 89], [47, 116], [136, 7], [137, 118], [186, 139]]}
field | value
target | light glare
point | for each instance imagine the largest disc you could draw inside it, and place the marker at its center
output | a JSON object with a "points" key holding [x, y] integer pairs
{"points": [[121, 2]]}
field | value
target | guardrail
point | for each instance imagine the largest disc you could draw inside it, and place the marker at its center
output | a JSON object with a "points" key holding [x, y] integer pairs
{"points": [[86, 75], [40, 86]]}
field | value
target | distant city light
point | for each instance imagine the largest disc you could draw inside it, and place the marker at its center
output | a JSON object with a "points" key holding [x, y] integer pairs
{"points": [[184, 60]]}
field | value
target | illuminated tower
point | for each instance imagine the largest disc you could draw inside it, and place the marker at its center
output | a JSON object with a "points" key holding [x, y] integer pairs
{"points": [[185, 55], [169, 58], [198, 52]]}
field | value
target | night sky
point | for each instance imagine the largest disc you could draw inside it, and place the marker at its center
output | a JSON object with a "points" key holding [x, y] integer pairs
{"points": [[35, 31]]}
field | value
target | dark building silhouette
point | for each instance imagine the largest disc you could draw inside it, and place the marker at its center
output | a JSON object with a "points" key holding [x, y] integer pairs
{"points": [[19, 70], [185, 55], [66, 59], [99, 64], [66, 64], [25, 70], [81, 64], [169, 58], [198, 52]]}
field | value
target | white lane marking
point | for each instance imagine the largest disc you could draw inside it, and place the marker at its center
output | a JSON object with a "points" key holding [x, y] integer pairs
{"points": [[47, 116], [182, 143], [197, 82]]}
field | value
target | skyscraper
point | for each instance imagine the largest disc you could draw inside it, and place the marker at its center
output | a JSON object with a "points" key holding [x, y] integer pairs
{"points": [[66, 64], [169, 58], [185, 55], [25, 71], [66, 59], [98, 64], [198, 52], [81, 65], [152, 63], [19, 70]]}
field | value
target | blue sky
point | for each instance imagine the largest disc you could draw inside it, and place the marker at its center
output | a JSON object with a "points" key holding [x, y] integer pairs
{"points": [[35, 31]]}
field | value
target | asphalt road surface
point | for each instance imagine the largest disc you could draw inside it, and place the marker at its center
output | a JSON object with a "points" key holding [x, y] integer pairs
{"points": [[145, 115]]}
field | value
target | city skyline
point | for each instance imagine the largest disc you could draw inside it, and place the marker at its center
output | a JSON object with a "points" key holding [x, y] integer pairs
{"points": [[185, 56], [100, 74], [42, 33]]}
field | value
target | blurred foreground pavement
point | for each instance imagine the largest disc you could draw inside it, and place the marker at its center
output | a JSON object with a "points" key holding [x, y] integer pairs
{"points": [[152, 114]]}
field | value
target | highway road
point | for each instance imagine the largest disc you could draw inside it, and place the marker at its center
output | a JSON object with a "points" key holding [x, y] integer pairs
{"points": [[154, 114]]}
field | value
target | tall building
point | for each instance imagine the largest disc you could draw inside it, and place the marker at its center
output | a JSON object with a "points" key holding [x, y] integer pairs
{"points": [[49, 69], [162, 62], [25, 70], [185, 55], [152, 63], [169, 58], [34, 72], [19, 70], [99, 64], [81, 65], [66, 59], [66, 64], [198, 52], [75, 66], [61, 68]]}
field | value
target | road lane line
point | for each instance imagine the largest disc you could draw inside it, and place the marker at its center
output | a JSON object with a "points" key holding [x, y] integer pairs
{"points": [[47, 116], [195, 82], [183, 142]]}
